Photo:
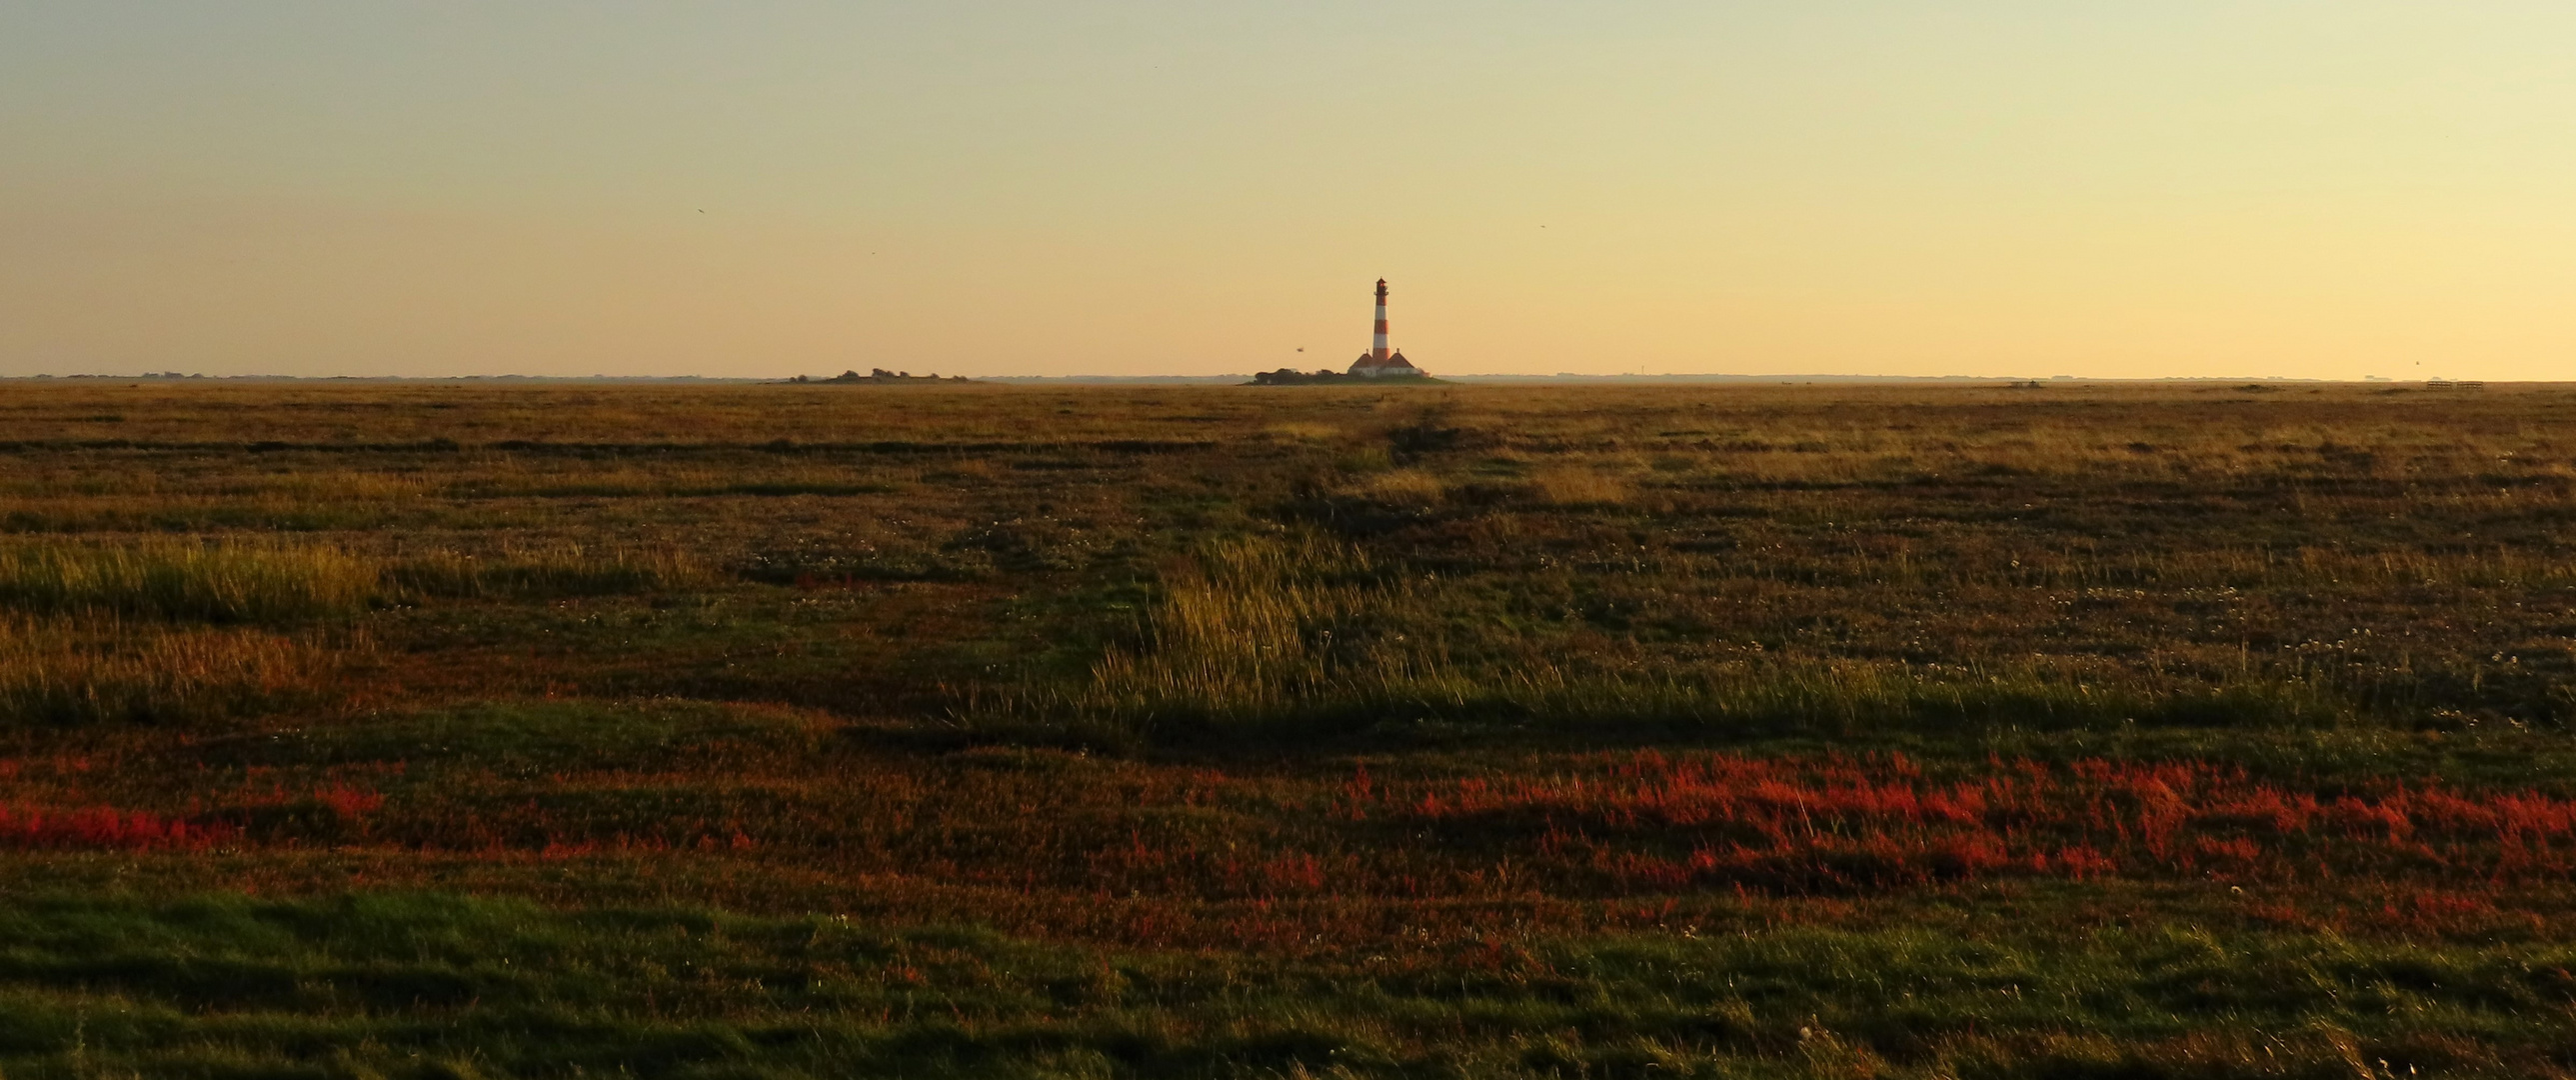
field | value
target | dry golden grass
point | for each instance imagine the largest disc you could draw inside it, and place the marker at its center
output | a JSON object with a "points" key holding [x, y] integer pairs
{"points": [[1581, 487], [558, 568], [64, 674], [1306, 432], [1244, 628], [1401, 487], [227, 581]]}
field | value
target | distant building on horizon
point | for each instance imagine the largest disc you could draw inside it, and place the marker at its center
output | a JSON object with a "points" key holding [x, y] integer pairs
{"points": [[1380, 361]]}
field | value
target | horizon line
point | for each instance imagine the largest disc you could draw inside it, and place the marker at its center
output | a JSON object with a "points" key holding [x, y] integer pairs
{"points": [[1562, 376]]}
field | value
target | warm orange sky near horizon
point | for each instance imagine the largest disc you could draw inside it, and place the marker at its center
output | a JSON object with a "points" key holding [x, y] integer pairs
{"points": [[2186, 188]]}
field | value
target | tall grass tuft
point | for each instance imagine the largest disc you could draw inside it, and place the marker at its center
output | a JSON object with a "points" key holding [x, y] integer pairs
{"points": [[63, 674], [226, 582], [1246, 628]]}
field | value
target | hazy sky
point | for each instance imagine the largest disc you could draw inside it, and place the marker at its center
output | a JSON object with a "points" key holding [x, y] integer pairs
{"points": [[2113, 188]]}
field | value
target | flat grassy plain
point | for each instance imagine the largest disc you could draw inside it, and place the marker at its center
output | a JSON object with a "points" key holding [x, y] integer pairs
{"points": [[466, 731]]}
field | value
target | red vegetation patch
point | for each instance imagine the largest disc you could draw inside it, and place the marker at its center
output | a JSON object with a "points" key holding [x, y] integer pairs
{"points": [[1674, 822], [58, 806], [105, 828]]}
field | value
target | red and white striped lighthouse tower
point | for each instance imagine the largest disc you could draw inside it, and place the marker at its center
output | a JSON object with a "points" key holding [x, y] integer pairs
{"points": [[1377, 345], [1380, 361]]}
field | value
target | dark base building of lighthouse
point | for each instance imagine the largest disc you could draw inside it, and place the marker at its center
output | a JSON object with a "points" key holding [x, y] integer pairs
{"points": [[1379, 367]]}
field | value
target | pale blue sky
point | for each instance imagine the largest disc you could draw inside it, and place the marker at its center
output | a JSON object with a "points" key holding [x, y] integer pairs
{"points": [[2183, 188]]}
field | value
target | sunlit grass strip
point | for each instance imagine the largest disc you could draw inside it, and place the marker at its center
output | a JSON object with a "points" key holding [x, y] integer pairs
{"points": [[225, 582], [1267, 632], [57, 675], [561, 569]]}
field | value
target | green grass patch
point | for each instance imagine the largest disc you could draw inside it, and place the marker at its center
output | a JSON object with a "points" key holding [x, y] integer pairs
{"points": [[430, 985]]}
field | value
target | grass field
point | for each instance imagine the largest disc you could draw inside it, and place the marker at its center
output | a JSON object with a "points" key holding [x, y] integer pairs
{"points": [[2202, 730]]}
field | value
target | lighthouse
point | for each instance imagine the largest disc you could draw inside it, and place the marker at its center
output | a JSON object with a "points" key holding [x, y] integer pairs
{"points": [[1381, 361], [1377, 343]]}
